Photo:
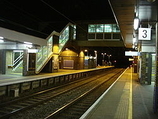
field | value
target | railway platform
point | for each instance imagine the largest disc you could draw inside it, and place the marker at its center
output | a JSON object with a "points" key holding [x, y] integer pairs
{"points": [[8, 79], [16, 85], [125, 99]]}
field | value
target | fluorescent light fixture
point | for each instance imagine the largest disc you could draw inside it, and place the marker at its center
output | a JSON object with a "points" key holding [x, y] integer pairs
{"points": [[1, 41], [17, 50], [29, 43], [136, 23], [32, 50], [131, 53], [153, 54], [134, 40], [1, 37], [28, 46]]}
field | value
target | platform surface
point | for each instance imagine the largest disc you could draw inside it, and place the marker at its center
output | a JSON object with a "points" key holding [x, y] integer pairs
{"points": [[8, 79], [125, 99]]}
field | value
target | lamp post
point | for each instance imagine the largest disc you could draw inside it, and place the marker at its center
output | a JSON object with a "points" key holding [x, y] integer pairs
{"points": [[86, 52], [96, 56], [103, 62], [109, 59]]}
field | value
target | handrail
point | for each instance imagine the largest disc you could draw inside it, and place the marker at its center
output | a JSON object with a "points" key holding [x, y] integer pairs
{"points": [[17, 60]]}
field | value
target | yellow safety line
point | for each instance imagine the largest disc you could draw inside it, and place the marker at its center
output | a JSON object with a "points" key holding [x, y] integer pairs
{"points": [[130, 110]]}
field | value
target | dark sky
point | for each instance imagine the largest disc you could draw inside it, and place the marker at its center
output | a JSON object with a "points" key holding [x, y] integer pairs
{"points": [[44, 16]]}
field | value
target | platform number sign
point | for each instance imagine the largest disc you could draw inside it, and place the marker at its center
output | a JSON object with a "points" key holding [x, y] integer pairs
{"points": [[144, 34]]}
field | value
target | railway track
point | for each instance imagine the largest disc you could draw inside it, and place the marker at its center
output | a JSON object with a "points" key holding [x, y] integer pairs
{"points": [[38, 105], [78, 106]]}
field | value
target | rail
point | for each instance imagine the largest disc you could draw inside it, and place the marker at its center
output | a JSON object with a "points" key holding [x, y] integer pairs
{"points": [[64, 110], [35, 99], [43, 96]]}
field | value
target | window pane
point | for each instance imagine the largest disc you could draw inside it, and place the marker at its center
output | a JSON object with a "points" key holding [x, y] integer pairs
{"points": [[116, 36], [107, 36], [108, 28], [99, 28], [115, 28], [91, 36], [99, 36], [91, 28]]}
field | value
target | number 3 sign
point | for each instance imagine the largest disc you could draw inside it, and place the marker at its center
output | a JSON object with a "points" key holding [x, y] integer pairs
{"points": [[144, 34]]}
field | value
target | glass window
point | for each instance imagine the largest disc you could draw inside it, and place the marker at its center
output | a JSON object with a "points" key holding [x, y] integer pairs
{"points": [[108, 28], [115, 28], [107, 36], [116, 36], [91, 36], [91, 28], [99, 28], [99, 36]]}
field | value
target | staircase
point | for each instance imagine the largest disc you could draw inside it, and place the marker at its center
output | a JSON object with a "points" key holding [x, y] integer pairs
{"points": [[45, 52]]}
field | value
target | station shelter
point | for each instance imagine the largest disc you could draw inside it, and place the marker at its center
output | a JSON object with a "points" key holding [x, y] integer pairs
{"points": [[137, 21]]}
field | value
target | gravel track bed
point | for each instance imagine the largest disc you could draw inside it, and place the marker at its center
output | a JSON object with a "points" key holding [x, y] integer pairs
{"points": [[41, 111]]}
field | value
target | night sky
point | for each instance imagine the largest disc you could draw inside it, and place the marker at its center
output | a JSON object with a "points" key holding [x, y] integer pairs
{"points": [[45, 16]]}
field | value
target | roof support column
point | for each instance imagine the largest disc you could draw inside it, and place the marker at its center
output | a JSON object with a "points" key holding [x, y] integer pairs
{"points": [[55, 59], [155, 106]]}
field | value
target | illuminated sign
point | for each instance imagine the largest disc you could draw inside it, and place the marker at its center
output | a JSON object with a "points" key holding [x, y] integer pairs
{"points": [[131, 53], [144, 34]]}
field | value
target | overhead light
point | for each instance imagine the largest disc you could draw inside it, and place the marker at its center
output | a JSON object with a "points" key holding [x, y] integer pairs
{"points": [[1, 41], [1, 37], [134, 40], [28, 46], [29, 43], [32, 50], [136, 23]]}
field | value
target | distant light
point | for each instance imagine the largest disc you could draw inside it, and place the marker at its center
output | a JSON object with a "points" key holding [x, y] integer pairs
{"points": [[29, 43], [61, 44], [136, 23], [90, 57], [103, 53]]}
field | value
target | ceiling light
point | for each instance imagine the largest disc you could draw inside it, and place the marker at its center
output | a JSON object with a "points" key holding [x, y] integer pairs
{"points": [[28, 43], [134, 40], [1, 41], [1, 37], [136, 23]]}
